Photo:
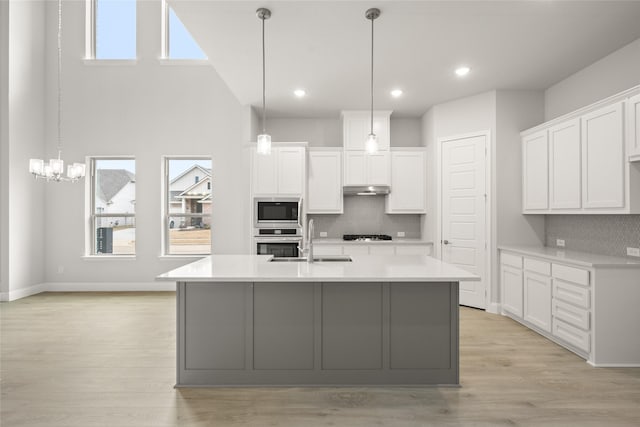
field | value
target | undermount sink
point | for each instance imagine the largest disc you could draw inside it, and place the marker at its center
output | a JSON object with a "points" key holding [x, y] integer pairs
{"points": [[327, 258]]}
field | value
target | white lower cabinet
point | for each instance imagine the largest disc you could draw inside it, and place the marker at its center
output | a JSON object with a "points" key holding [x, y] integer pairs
{"points": [[590, 311], [537, 300], [372, 249], [327, 250]]}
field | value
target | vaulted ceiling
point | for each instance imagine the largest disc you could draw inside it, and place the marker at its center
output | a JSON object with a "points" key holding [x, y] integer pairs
{"points": [[324, 47]]}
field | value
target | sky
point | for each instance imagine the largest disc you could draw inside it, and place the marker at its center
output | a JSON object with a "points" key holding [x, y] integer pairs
{"points": [[116, 33]]}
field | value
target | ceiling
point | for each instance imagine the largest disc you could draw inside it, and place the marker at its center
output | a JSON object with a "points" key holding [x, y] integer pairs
{"points": [[324, 47]]}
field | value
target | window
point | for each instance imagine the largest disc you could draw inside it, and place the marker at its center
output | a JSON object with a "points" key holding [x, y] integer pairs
{"points": [[113, 206], [187, 206], [112, 29], [177, 42]]}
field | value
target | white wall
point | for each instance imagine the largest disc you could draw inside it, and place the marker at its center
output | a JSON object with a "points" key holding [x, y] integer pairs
{"points": [[4, 148], [146, 110], [25, 133], [614, 73]]}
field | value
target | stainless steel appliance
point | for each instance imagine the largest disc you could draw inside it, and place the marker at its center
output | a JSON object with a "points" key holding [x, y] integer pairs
{"points": [[278, 246], [280, 212], [365, 237]]}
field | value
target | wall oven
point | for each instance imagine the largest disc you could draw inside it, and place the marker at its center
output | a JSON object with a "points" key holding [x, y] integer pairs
{"points": [[278, 212], [280, 246]]}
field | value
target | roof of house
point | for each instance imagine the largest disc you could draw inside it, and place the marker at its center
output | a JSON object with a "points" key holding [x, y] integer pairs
{"points": [[111, 181], [189, 191], [207, 171]]}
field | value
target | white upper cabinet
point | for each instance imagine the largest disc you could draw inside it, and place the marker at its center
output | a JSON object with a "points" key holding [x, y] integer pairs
{"points": [[585, 159], [408, 182], [564, 165], [603, 159], [535, 162], [357, 126], [633, 126], [362, 168], [280, 173], [324, 194]]}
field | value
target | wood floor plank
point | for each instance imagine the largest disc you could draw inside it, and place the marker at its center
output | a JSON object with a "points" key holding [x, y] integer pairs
{"points": [[108, 359]]}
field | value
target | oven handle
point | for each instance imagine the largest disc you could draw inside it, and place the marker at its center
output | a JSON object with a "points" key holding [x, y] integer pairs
{"points": [[278, 239]]}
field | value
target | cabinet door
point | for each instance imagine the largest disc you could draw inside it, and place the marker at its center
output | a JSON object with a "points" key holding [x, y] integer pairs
{"points": [[511, 281], [265, 173], [355, 128], [535, 172], [355, 168], [564, 166], [537, 300], [378, 165], [356, 249], [327, 250], [633, 126], [408, 183], [382, 250], [603, 161], [413, 250], [290, 170], [382, 129], [325, 182]]}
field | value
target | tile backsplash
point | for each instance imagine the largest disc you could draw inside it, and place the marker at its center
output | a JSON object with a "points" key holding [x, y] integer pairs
{"points": [[365, 215], [601, 234]]}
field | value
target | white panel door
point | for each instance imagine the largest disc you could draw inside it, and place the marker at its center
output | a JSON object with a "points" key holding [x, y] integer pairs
{"points": [[265, 173], [565, 173], [463, 213], [356, 129], [603, 160], [325, 182], [633, 125], [355, 168], [408, 183], [511, 282], [291, 170], [537, 300], [535, 172], [378, 165]]}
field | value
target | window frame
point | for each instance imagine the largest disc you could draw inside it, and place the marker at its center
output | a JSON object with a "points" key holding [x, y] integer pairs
{"points": [[91, 8], [93, 240], [166, 215], [165, 30]]}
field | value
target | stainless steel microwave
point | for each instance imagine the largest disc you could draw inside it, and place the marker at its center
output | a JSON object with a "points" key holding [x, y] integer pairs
{"points": [[278, 212]]}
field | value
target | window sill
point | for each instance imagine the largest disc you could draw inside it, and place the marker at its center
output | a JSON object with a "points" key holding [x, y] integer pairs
{"points": [[109, 257], [179, 257], [172, 62], [109, 62]]}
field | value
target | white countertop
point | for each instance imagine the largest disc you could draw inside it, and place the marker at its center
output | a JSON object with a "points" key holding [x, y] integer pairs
{"points": [[363, 268], [400, 241], [583, 259]]}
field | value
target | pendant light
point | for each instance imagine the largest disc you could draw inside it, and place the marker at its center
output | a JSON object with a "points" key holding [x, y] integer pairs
{"points": [[54, 170], [264, 139], [371, 144]]}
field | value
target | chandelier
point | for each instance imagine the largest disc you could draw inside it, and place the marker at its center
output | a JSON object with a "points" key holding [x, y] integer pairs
{"points": [[54, 169]]}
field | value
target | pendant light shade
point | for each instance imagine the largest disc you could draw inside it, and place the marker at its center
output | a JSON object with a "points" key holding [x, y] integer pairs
{"points": [[371, 145], [264, 139], [54, 170]]}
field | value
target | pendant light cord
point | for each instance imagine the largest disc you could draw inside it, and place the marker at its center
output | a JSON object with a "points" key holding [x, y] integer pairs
{"points": [[59, 77], [372, 76], [264, 108]]}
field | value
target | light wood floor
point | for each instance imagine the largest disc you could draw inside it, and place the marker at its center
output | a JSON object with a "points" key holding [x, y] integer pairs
{"points": [[108, 359]]}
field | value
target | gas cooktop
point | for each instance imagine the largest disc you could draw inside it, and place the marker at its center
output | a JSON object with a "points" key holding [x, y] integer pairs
{"points": [[365, 237]]}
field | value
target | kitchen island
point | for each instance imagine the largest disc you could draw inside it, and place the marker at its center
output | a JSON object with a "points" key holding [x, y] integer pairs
{"points": [[245, 320]]}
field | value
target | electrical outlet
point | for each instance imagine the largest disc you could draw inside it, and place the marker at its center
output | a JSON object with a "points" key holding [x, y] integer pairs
{"points": [[60, 269], [633, 252], [400, 233], [323, 234], [560, 243]]}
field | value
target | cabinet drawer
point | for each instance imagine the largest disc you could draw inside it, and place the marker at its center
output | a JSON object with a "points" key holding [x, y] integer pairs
{"points": [[571, 274], [572, 335], [512, 260], [571, 314], [571, 293], [413, 250], [382, 250], [327, 249], [356, 250], [541, 267]]}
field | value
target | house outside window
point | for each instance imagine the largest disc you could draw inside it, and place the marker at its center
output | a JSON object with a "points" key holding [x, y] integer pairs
{"points": [[187, 206], [113, 206], [111, 29]]}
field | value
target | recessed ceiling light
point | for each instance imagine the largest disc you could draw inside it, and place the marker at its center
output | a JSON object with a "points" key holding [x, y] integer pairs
{"points": [[396, 93], [462, 71], [299, 93]]}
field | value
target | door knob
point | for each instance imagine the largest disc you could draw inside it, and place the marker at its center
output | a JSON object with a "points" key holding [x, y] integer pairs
{"points": [[446, 242]]}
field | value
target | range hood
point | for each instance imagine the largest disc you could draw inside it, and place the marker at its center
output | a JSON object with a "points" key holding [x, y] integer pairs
{"points": [[365, 190]]}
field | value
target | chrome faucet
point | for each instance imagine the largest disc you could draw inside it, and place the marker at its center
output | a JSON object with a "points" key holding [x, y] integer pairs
{"points": [[307, 249]]}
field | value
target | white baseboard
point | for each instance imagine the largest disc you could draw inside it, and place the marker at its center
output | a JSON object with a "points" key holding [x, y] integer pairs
{"points": [[614, 365], [494, 308], [109, 286], [22, 293]]}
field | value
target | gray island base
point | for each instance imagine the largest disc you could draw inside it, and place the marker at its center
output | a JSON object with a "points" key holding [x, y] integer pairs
{"points": [[277, 331]]}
